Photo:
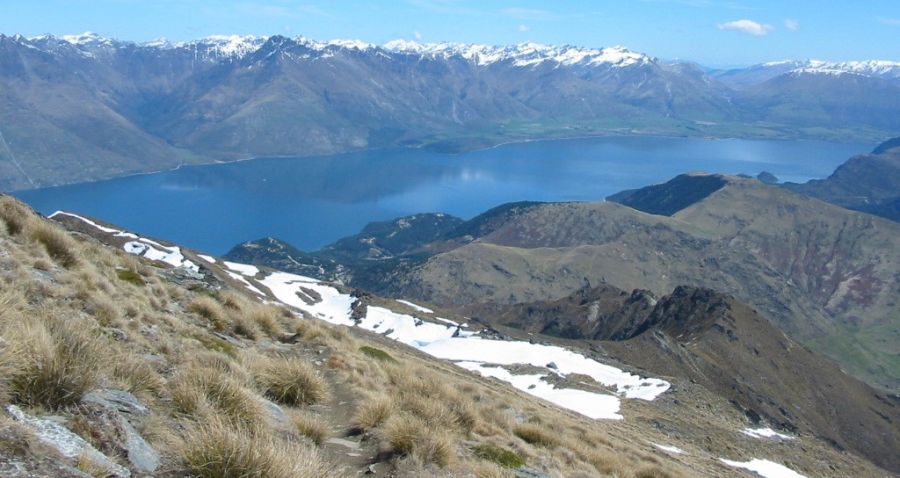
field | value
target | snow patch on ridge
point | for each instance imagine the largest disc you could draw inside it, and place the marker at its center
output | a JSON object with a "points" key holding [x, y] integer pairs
{"points": [[140, 246], [764, 468], [447, 340], [765, 433], [425, 310]]}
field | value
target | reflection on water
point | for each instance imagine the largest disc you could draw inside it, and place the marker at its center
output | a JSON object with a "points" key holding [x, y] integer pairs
{"points": [[312, 201]]}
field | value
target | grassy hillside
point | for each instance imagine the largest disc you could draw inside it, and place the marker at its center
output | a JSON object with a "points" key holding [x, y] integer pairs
{"points": [[219, 384]]}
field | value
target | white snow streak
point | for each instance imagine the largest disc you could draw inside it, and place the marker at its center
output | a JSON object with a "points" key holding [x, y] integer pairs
{"points": [[140, 246], [765, 433], [417, 307], [764, 468], [669, 448]]}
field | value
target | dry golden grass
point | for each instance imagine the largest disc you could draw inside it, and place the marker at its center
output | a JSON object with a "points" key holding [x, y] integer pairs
{"points": [[409, 435], [537, 435], [310, 425], [14, 215], [483, 469], [374, 411], [58, 244], [136, 376], [211, 310], [290, 380], [50, 362], [206, 393], [218, 450], [266, 318]]}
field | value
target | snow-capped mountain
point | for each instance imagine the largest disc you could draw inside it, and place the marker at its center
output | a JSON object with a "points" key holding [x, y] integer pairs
{"points": [[872, 68], [126, 107], [231, 47], [756, 74], [523, 54]]}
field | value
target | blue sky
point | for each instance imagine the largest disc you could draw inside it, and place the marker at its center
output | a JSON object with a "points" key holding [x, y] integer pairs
{"points": [[712, 32]]}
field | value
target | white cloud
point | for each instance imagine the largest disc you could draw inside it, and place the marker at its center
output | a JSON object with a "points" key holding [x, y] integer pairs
{"points": [[894, 22], [523, 28], [417, 35], [747, 26], [791, 24]]}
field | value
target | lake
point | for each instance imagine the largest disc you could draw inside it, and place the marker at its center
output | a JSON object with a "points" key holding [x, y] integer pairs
{"points": [[312, 201]]}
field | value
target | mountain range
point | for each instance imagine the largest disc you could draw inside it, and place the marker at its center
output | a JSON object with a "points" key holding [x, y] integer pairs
{"points": [[824, 274], [81, 108]]}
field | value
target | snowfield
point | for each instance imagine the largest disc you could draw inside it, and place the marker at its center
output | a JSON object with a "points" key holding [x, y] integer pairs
{"points": [[449, 341], [764, 468]]}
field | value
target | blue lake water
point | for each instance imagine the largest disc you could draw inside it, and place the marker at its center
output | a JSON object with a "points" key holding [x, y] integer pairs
{"points": [[312, 201]]}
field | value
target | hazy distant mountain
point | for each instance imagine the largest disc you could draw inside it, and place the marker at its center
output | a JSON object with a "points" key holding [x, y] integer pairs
{"points": [[84, 107], [740, 78]]}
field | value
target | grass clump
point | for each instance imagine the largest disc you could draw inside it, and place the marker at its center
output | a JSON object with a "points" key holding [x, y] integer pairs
{"points": [[209, 309], [373, 412], [499, 455], [50, 362], [291, 381], [130, 276], [57, 243], [376, 353], [411, 436], [14, 214], [310, 426], [536, 435], [218, 450], [206, 393]]}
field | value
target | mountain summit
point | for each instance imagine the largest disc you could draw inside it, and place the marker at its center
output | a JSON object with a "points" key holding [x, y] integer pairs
{"points": [[121, 107]]}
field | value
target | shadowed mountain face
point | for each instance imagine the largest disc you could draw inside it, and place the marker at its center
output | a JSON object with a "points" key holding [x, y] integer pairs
{"points": [[868, 183], [93, 108], [712, 339], [668, 198]]}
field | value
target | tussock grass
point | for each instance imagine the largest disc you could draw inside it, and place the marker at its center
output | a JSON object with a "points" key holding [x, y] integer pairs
{"points": [[245, 327], [136, 376], [219, 450], [209, 309], [206, 393], [103, 309], [290, 380], [410, 435], [266, 318], [310, 425], [50, 362], [537, 435], [57, 243], [14, 215], [485, 469], [654, 471], [372, 412]]}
